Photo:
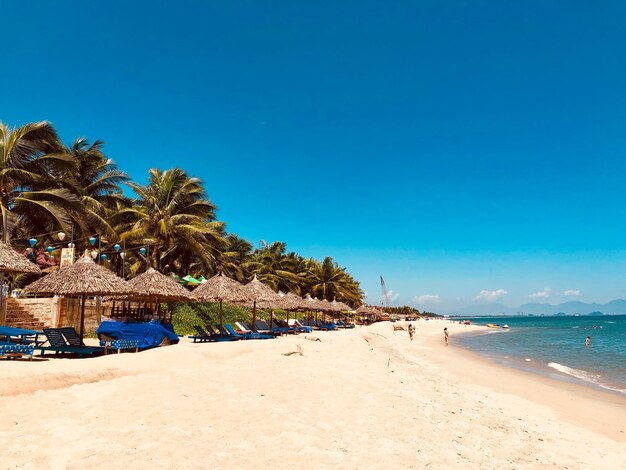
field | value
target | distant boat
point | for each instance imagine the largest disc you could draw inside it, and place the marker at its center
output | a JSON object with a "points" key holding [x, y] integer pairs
{"points": [[505, 326]]}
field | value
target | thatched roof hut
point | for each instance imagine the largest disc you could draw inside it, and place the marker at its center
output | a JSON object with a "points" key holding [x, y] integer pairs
{"points": [[13, 262], [154, 286], [221, 289], [83, 278], [291, 302], [261, 293]]}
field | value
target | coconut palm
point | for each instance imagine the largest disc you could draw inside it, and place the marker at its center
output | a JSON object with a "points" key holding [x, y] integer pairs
{"points": [[329, 281], [269, 264], [96, 180], [172, 214], [32, 167]]}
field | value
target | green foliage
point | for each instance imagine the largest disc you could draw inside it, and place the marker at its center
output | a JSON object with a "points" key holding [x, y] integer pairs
{"points": [[47, 187], [410, 311], [186, 315]]}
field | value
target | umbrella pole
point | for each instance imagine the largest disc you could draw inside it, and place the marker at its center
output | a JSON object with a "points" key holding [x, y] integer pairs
{"points": [[254, 315], [82, 317], [221, 314], [271, 317]]}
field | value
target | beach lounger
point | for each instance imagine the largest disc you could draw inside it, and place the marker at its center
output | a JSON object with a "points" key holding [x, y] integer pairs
{"points": [[59, 345], [218, 333], [299, 326], [286, 329], [262, 327], [249, 335], [243, 328], [326, 326], [201, 336], [11, 334]]}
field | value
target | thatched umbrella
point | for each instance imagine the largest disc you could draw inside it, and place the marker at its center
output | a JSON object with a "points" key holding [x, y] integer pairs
{"points": [[263, 294], [157, 287], [84, 278], [13, 262], [154, 288], [219, 289]]}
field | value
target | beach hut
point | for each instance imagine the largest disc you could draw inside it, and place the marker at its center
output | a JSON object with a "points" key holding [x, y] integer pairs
{"points": [[153, 288], [261, 293], [83, 278], [221, 289], [13, 262]]}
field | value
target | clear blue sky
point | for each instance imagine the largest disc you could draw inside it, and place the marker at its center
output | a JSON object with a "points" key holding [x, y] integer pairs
{"points": [[451, 146]]}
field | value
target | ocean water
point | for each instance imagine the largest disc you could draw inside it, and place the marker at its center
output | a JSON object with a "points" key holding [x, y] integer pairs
{"points": [[555, 346]]}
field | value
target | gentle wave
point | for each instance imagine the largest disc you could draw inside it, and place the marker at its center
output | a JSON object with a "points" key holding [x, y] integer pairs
{"points": [[582, 375]]}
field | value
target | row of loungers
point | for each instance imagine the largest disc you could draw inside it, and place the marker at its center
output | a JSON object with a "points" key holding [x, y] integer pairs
{"points": [[216, 333], [65, 341]]}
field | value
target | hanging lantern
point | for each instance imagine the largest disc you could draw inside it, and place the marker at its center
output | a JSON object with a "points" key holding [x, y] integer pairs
{"points": [[92, 241], [123, 254], [61, 236], [142, 250], [32, 241], [49, 249], [103, 257], [29, 250], [117, 247], [94, 254], [70, 245]]}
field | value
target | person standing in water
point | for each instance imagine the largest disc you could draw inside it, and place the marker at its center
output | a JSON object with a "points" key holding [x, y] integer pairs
{"points": [[588, 341], [445, 335], [411, 331]]}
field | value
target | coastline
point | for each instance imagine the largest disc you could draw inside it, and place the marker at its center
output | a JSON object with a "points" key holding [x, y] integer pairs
{"points": [[556, 393], [365, 398]]}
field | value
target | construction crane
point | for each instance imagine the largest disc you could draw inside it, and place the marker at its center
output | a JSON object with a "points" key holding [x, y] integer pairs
{"points": [[385, 294]]}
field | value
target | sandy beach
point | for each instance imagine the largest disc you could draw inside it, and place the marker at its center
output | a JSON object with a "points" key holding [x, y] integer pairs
{"points": [[363, 398]]}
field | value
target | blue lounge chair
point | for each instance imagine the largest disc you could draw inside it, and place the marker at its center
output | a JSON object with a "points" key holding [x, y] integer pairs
{"points": [[59, 345], [263, 327], [249, 335], [10, 334], [201, 336]]}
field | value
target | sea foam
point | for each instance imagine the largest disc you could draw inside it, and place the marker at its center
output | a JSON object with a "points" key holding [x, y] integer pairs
{"points": [[583, 375]]}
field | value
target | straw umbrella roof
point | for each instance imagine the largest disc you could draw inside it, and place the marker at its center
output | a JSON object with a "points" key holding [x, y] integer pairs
{"points": [[221, 288], [326, 306], [13, 262], [292, 302], [154, 285], [260, 292], [339, 306], [365, 310], [84, 277]]}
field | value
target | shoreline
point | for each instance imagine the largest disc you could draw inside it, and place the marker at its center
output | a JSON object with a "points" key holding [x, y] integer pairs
{"points": [[550, 391], [540, 368], [362, 398]]}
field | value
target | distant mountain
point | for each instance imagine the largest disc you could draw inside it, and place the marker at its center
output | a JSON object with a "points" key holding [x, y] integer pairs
{"points": [[614, 307]]}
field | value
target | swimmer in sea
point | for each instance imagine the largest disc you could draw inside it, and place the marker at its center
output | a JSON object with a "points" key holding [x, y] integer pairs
{"points": [[588, 341]]}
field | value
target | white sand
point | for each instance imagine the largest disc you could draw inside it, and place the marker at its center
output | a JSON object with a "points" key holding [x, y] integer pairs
{"points": [[365, 398]]}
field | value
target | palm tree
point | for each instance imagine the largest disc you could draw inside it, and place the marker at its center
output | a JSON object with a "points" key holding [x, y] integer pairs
{"points": [[269, 263], [96, 180], [329, 281], [173, 216], [32, 168]]}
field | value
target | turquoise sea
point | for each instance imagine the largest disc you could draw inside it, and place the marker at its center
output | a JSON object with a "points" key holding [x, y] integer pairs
{"points": [[555, 346]]}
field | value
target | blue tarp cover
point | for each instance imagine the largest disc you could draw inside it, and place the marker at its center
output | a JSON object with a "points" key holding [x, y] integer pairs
{"points": [[148, 335]]}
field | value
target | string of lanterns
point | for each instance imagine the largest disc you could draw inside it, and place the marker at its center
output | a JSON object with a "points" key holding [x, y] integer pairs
{"points": [[32, 242]]}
